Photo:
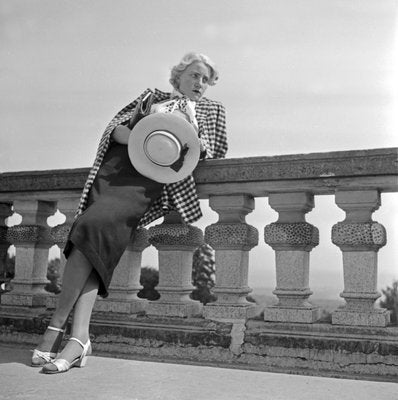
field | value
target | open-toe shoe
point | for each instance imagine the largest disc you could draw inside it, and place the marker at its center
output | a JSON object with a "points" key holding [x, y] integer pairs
{"points": [[61, 365], [39, 358]]}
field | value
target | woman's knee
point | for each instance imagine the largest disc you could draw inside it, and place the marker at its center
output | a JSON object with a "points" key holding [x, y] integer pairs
{"points": [[77, 260]]}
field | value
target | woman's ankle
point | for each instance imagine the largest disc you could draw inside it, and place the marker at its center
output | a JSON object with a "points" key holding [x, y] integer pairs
{"points": [[58, 321], [72, 349], [50, 341], [82, 336]]}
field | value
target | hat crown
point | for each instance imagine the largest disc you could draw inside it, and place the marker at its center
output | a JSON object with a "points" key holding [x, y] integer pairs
{"points": [[162, 148]]}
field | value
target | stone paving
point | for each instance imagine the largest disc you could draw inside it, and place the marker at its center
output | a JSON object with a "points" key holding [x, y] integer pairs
{"points": [[119, 379]]}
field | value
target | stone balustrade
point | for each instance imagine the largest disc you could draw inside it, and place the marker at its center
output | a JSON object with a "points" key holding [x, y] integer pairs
{"points": [[356, 179], [292, 239]]}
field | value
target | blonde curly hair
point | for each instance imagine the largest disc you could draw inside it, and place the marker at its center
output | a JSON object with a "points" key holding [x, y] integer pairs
{"points": [[187, 60]]}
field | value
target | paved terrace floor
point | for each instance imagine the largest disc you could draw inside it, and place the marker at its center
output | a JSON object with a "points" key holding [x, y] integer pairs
{"points": [[119, 379]]}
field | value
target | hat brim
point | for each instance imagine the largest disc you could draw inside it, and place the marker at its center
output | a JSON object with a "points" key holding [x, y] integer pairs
{"points": [[182, 130]]}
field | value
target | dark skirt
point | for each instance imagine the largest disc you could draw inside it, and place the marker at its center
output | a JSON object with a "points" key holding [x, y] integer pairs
{"points": [[118, 199]]}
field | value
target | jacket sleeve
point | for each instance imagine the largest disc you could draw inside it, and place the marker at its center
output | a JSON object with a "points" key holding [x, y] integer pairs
{"points": [[215, 139], [129, 109], [212, 130], [221, 144]]}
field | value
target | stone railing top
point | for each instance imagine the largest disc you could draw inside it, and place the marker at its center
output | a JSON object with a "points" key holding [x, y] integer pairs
{"points": [[51, 184], [300, 166], [319, 173]]}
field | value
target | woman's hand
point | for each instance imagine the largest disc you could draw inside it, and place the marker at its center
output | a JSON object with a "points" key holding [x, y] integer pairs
{"points": [[203, 150], [121, 134]]}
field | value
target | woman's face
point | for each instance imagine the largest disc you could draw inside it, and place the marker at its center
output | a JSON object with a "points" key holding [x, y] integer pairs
{"points": [[194, 80]]}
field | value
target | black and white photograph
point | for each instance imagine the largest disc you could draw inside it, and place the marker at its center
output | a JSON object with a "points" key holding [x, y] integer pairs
{"points": [[198, 199]]}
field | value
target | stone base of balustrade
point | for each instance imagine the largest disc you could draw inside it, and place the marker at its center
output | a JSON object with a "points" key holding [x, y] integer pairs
{"points": [[310, 349], [129, 306], [306, 315], [229, 312], [24, 299], [133, 306], [186, 309], [52, 301], [376, 317], [15, 313]]}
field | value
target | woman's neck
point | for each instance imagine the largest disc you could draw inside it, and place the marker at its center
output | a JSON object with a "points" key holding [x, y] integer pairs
{"points": [[177, 93]]}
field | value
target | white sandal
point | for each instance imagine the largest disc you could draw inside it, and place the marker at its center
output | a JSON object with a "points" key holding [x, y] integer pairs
{"points": [[39, 358], [61, 365]]}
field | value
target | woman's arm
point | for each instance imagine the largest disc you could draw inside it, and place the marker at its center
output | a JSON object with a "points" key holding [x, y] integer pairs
{"points": [[121, 134], [213, 137], [221, 144]]}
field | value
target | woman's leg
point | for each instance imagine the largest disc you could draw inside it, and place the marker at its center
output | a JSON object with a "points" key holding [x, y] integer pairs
{"points": [[81, 318], [77, 271]]}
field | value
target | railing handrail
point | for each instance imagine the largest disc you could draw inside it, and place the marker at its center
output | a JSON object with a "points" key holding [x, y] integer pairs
{"points": [[318, 173]]}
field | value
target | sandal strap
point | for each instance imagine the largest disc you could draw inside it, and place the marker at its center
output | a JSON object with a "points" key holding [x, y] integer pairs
{"points": [[45, 355], [61, 364], [53, 328], [78, 341], [86, 346]]}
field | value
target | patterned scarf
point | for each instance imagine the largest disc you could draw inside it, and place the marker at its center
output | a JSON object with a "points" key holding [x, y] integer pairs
{"points": [[178, 102]]}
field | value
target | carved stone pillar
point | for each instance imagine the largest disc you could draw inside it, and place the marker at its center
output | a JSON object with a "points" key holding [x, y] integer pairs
{"points": [[292, 238], [5, 211], [125, 283], [32, 240], [175, 243], [59, 235], [232, 239], [359, 238]]}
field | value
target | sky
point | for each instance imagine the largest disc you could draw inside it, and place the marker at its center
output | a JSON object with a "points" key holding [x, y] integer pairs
{"points": [[296, 76]]}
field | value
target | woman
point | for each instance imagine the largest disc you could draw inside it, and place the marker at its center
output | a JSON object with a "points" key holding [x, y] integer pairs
{"points": [[117, 200]]}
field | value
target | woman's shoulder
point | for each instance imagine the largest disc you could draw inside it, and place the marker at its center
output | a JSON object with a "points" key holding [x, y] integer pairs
{"points": [[206, 100], [210, 104], [160, 95]]}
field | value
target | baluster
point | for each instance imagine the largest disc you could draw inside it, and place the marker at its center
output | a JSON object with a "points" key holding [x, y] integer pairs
{"points": [[125, 283], [232, 239], [5, 211], [359, 238], [32, 241], [59, 234], [175, 243], [292, 238]]}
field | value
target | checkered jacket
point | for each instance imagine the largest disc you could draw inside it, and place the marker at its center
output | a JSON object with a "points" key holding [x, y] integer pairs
{"points": [[180, 196]]}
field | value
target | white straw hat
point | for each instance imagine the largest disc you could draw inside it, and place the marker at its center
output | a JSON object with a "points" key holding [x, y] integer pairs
{"points": [[164, 147]]}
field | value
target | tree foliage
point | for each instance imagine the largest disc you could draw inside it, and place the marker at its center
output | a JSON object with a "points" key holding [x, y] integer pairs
{"points": [[7, 272], [53, 275], [202, 277], [203, 274], [7, 267], [390, 301], [149, 279]]}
